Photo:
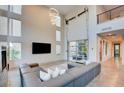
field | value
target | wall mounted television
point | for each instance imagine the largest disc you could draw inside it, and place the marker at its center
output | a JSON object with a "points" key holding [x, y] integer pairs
{"points": [[41, 48]]}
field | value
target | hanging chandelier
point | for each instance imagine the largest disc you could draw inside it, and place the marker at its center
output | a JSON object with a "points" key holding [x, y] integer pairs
{"points": [[53, 13]]}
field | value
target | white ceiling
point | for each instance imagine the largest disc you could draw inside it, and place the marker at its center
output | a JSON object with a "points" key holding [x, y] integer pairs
{"points": [[108, 7], [117, 35], [63, 9]]}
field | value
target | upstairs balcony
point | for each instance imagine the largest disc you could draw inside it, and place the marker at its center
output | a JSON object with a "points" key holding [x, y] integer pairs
{"points": [[111, 14], [111, 20]]}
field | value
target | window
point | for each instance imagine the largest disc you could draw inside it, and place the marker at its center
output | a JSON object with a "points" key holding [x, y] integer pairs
{"points": [[58, 49], [14, 51], [72, 51], [11, 27], [58, 35], [58, 39], [78, 50], [3, 25], [58, 21], [15, 27], [4, 7], [16, 9]]}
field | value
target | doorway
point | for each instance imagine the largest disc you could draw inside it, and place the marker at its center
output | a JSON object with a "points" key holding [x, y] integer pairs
{"points": [[100, 51], [117, 50]]}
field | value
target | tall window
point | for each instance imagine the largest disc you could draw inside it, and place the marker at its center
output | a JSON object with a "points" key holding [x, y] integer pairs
{"points": [[58, 42], [58, 49], [15, 27], [3, 25], [72, 51], [78, 50], [14, 51], [10, 26], [58, 21], [4, 7], [58, 35], [16, 9]]}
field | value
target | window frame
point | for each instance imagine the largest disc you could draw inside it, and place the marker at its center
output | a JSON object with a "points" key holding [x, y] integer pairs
{"points": [[11, 48]]}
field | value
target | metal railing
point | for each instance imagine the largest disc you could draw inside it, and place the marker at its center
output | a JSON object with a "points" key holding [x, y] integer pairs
{"points": [[111, 14]]}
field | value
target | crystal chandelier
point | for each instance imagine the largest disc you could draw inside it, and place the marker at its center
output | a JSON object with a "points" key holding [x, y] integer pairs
{"points": [[53, 13]]}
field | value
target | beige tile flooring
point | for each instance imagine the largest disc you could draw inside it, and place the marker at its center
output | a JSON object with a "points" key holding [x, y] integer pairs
{"points": [[14, 78], [112, 74]]}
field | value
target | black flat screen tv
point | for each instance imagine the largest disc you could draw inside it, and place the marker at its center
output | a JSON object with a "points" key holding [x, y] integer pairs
{"points": [[41, 48]]}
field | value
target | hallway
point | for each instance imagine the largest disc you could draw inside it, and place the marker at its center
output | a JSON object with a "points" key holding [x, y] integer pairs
{"points": [[112, 74]]}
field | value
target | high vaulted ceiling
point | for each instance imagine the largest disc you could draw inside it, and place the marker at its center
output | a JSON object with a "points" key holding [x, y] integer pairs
{"points": [[63, 9], [108, 7]]}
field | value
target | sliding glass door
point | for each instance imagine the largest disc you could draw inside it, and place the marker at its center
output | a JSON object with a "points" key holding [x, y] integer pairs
{"points": [[78, 50]]}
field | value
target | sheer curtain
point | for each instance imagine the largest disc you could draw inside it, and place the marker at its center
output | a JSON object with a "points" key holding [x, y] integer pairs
{"points": [[77, 28]]}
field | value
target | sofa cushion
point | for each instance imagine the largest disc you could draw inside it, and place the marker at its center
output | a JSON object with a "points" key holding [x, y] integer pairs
{"points": [[25, 70], [79, 75], [54, 72], [28, 69], [24, 65], [59, 81], [31, 80], [76, 72], [62, 71]]}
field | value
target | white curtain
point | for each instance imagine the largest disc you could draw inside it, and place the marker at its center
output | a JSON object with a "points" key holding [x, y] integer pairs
{"points": [[77, 28]]}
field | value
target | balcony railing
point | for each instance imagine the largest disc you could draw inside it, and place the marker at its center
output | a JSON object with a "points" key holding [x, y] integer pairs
{"points": [[114, 13]]}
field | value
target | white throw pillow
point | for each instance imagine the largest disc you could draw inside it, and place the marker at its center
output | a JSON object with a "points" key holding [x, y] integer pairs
{"points": [[87, 62], [44, 76], [54, 72], [62, 71], [50, 71]]}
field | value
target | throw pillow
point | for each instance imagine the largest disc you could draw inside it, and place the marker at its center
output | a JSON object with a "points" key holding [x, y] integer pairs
{"points": [[54, 72], [44, 76], [62, 71]]}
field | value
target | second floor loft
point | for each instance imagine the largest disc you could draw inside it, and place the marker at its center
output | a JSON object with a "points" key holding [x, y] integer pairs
{"points": [[109, 12]]}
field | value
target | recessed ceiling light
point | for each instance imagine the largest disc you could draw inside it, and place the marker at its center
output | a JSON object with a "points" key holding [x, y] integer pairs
{"points": [[111, 34]]}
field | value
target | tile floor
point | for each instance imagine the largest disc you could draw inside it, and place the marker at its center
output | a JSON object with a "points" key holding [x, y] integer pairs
{"points": [[112, 74], [14, 78]]}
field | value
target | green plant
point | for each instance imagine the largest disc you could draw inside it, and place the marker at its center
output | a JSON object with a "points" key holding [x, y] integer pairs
{"points": [[14, 54]]}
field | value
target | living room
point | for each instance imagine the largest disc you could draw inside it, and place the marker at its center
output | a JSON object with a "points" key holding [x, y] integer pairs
{"points": [[40, 28], [51, 46]]}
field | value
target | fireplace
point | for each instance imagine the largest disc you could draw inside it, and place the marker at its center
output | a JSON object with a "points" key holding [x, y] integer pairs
{"points": [[4, 58]]}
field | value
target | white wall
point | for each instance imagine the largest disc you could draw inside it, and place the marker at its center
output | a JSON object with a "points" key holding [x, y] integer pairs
{"points": [[115, 24], [36, 27], [92, 34]]}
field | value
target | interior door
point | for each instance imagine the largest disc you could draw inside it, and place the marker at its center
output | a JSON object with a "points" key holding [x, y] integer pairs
{"points": [[116, 50], [100, 51]]}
